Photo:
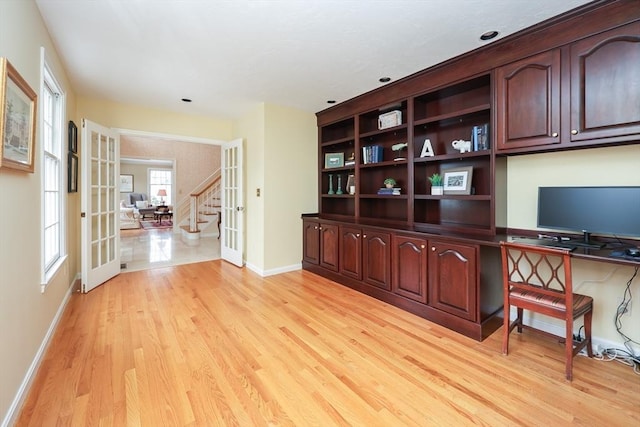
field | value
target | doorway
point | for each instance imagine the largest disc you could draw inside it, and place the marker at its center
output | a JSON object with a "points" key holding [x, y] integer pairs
{"points": [[188, 162]]}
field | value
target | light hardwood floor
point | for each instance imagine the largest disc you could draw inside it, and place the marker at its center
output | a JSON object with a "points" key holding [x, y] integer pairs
{"points": [[210, 344]]}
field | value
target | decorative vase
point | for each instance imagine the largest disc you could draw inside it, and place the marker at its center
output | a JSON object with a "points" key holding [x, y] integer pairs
{"points": [[339, 190], [437, 190], [331, 184]]}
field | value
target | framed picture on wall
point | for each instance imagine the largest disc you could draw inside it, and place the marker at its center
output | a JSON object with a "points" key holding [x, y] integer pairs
{"points": [[72, 173], [126, 183], [73, 137], [17, 119]]}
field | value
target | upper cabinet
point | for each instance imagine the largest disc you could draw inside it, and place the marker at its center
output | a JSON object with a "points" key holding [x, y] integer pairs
{"points": [[528, 107], [585, 93], [605, 86]]}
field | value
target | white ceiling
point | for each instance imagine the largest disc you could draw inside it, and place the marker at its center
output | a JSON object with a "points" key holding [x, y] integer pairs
{"points": [[228, 55]]}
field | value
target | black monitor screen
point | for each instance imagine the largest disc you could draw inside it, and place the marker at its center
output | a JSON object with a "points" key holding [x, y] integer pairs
{"points": [[601, 210]]}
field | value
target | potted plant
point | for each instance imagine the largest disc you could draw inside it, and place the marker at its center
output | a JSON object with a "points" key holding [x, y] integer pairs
{"points": [[389, 182], [436, 184]]}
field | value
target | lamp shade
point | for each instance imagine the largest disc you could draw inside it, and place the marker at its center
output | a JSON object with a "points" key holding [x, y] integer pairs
{"points": [[162, 192]]}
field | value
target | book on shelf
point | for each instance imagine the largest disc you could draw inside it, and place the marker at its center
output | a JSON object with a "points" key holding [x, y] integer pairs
{"points": [[372, 154], [480, 137], [395, 191]]}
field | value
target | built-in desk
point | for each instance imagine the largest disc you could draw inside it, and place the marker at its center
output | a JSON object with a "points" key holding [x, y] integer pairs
{"points": [[452, 279], [612, 252]]}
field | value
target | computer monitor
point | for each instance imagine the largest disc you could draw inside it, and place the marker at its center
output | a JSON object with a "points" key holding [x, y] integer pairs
{"points": [[613, 211]]}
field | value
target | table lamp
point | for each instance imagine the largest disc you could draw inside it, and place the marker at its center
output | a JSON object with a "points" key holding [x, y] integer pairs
{"points": [[162, 193]]}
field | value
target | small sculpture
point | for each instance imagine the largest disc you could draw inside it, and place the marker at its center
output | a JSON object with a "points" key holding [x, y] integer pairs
{"points": [[399, 149], [462, 145]]}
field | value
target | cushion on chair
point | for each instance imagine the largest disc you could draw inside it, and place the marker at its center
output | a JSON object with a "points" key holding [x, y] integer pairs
{"points": [[579, 301], [136, 197], [141, 204]]}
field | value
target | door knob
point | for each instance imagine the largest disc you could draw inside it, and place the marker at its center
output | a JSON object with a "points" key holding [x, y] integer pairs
{"points": [[574, 132]]}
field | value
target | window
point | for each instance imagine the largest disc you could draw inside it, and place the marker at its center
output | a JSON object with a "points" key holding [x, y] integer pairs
{"points": [[53, 227], [160, 179]]}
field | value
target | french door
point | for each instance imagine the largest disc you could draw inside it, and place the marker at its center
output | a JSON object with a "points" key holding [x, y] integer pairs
{"points": [[232, 230], [99, 205]]}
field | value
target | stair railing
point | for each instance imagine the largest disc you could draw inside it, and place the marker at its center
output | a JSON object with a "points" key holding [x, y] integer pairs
{"points": [[203, 200]]}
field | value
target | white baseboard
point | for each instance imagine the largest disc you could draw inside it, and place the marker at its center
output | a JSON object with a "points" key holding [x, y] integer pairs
{"points": [[21, 394], [273, 271]]}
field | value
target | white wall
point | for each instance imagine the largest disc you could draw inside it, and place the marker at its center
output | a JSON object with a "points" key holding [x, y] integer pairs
{"points": [[26, 314], [605, 282], [291, 183], [280, 161]]}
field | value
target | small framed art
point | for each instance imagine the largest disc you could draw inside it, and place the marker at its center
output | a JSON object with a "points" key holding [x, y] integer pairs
{"points": [[72, 173], [126, 183], [457, 180], [333, 160], [73, 137], [17, 119]]}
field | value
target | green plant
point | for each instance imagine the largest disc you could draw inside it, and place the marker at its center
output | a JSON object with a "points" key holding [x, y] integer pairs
{"points": [[389, 181], [436, 180]]}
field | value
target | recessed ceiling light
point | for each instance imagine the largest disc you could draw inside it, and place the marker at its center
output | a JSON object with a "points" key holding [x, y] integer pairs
{"points": [[489, 35], [385, 79], [186, 100], [331, 101]]}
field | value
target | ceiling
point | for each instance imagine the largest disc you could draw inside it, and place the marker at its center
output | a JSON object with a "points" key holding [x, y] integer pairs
{"points": [[229, 55]]}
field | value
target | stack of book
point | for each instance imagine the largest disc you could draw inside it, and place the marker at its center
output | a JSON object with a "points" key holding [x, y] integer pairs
{"points": [[372, 154], [480, 137], [395, 191]]}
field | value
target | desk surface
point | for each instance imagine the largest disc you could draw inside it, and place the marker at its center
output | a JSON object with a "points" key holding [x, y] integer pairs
{"points": [[612, 252]]}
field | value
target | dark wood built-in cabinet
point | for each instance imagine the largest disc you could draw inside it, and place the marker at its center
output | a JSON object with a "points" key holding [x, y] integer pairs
{"points": [[529, 102], [452, 278], [605, 86], [571, 82], [582, 94], [410, 261]]}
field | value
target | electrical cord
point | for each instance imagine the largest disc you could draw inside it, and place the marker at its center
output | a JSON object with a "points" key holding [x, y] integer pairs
{"points": [[620, 356], [621, 310], [627, 357]]}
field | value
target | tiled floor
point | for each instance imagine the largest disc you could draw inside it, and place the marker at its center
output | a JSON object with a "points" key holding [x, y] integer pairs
{"points": [[143, 249]]}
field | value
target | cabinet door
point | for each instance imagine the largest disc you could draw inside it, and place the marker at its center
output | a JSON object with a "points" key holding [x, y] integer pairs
{"points": [[377, 258], [351, 252], [311, 242], [452, 279], [605, 85], [329, 246], [410, 267], [528, 94]]}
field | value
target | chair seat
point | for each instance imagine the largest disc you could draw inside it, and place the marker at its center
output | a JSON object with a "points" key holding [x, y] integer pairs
{"points": [[580, 302]]}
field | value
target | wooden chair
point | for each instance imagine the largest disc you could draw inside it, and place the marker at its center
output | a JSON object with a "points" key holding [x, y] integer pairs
{"points": [[538, 279]]}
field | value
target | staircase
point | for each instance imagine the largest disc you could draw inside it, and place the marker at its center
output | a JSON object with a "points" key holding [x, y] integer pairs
{"points": [[201, 209]]}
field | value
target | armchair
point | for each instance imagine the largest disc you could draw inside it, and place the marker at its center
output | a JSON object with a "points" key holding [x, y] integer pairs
{"points": [[128, 217]]}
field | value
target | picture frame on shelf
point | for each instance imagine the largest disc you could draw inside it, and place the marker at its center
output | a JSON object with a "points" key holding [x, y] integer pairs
{"points": [[72, 173], [333, 160], [457, 180], [73, 137], [126, 183], [18, 106], [390, 119]]}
